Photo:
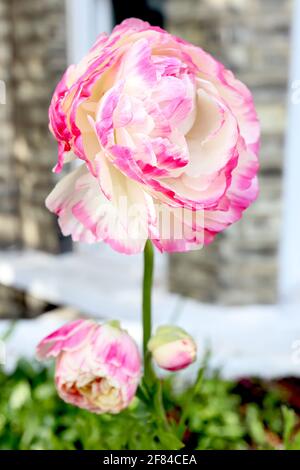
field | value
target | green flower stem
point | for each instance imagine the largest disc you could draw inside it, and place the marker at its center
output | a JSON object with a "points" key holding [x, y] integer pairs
{"points": [[147, 320], [150, 391]]}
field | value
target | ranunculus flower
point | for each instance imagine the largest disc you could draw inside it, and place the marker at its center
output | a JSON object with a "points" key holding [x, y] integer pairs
{"points": [[172, 348], [98, 367], [168, 140]]}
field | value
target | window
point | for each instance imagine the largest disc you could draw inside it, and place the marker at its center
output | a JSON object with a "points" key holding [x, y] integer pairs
{"points": [[85, 20]]}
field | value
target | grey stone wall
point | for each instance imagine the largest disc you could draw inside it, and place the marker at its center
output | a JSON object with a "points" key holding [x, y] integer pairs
{"points": [[252, 38], [9, 223], [39, 60], [32, 59]]}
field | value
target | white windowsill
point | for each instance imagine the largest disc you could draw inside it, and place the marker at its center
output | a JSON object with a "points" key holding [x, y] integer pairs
{"points": [[253, 340]]}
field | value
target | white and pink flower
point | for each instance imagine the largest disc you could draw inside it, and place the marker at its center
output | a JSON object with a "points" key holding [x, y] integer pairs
{"points": [[98, 367], [160, 124], [172, 348]]}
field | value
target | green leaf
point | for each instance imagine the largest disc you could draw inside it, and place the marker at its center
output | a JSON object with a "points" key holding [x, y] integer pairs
{"points": [[169, 441], [289, 423], [255, 426], [20, 395]]}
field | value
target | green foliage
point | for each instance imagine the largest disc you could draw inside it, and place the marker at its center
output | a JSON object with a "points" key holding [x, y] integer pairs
{"points": [[208, 415], [210, 412]]}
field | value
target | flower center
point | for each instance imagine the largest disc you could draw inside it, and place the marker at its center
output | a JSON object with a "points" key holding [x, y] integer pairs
{"points": [[101, 393]]}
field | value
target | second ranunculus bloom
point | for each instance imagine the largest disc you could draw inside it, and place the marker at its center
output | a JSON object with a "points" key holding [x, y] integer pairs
{"points": [[98, 367], [168, 140]]}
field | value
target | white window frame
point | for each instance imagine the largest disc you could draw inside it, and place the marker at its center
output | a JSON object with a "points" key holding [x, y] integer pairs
{"points": [[85, 21], [289, 273]]}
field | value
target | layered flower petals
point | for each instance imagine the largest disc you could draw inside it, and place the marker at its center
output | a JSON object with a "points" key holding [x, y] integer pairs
{"points": [[67, 338], [98, 367], [85, 212], [160, 122]]}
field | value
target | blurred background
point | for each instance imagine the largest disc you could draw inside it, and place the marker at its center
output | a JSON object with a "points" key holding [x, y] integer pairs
{"points": [[241, 294]]}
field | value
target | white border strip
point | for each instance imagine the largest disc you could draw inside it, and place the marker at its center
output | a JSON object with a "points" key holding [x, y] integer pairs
{"points": [[289, 281]]}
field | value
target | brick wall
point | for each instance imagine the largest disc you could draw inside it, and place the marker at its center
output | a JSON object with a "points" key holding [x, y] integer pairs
{"points": [[9, 222], [32, 58], [252, 38], [39, 60]]}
